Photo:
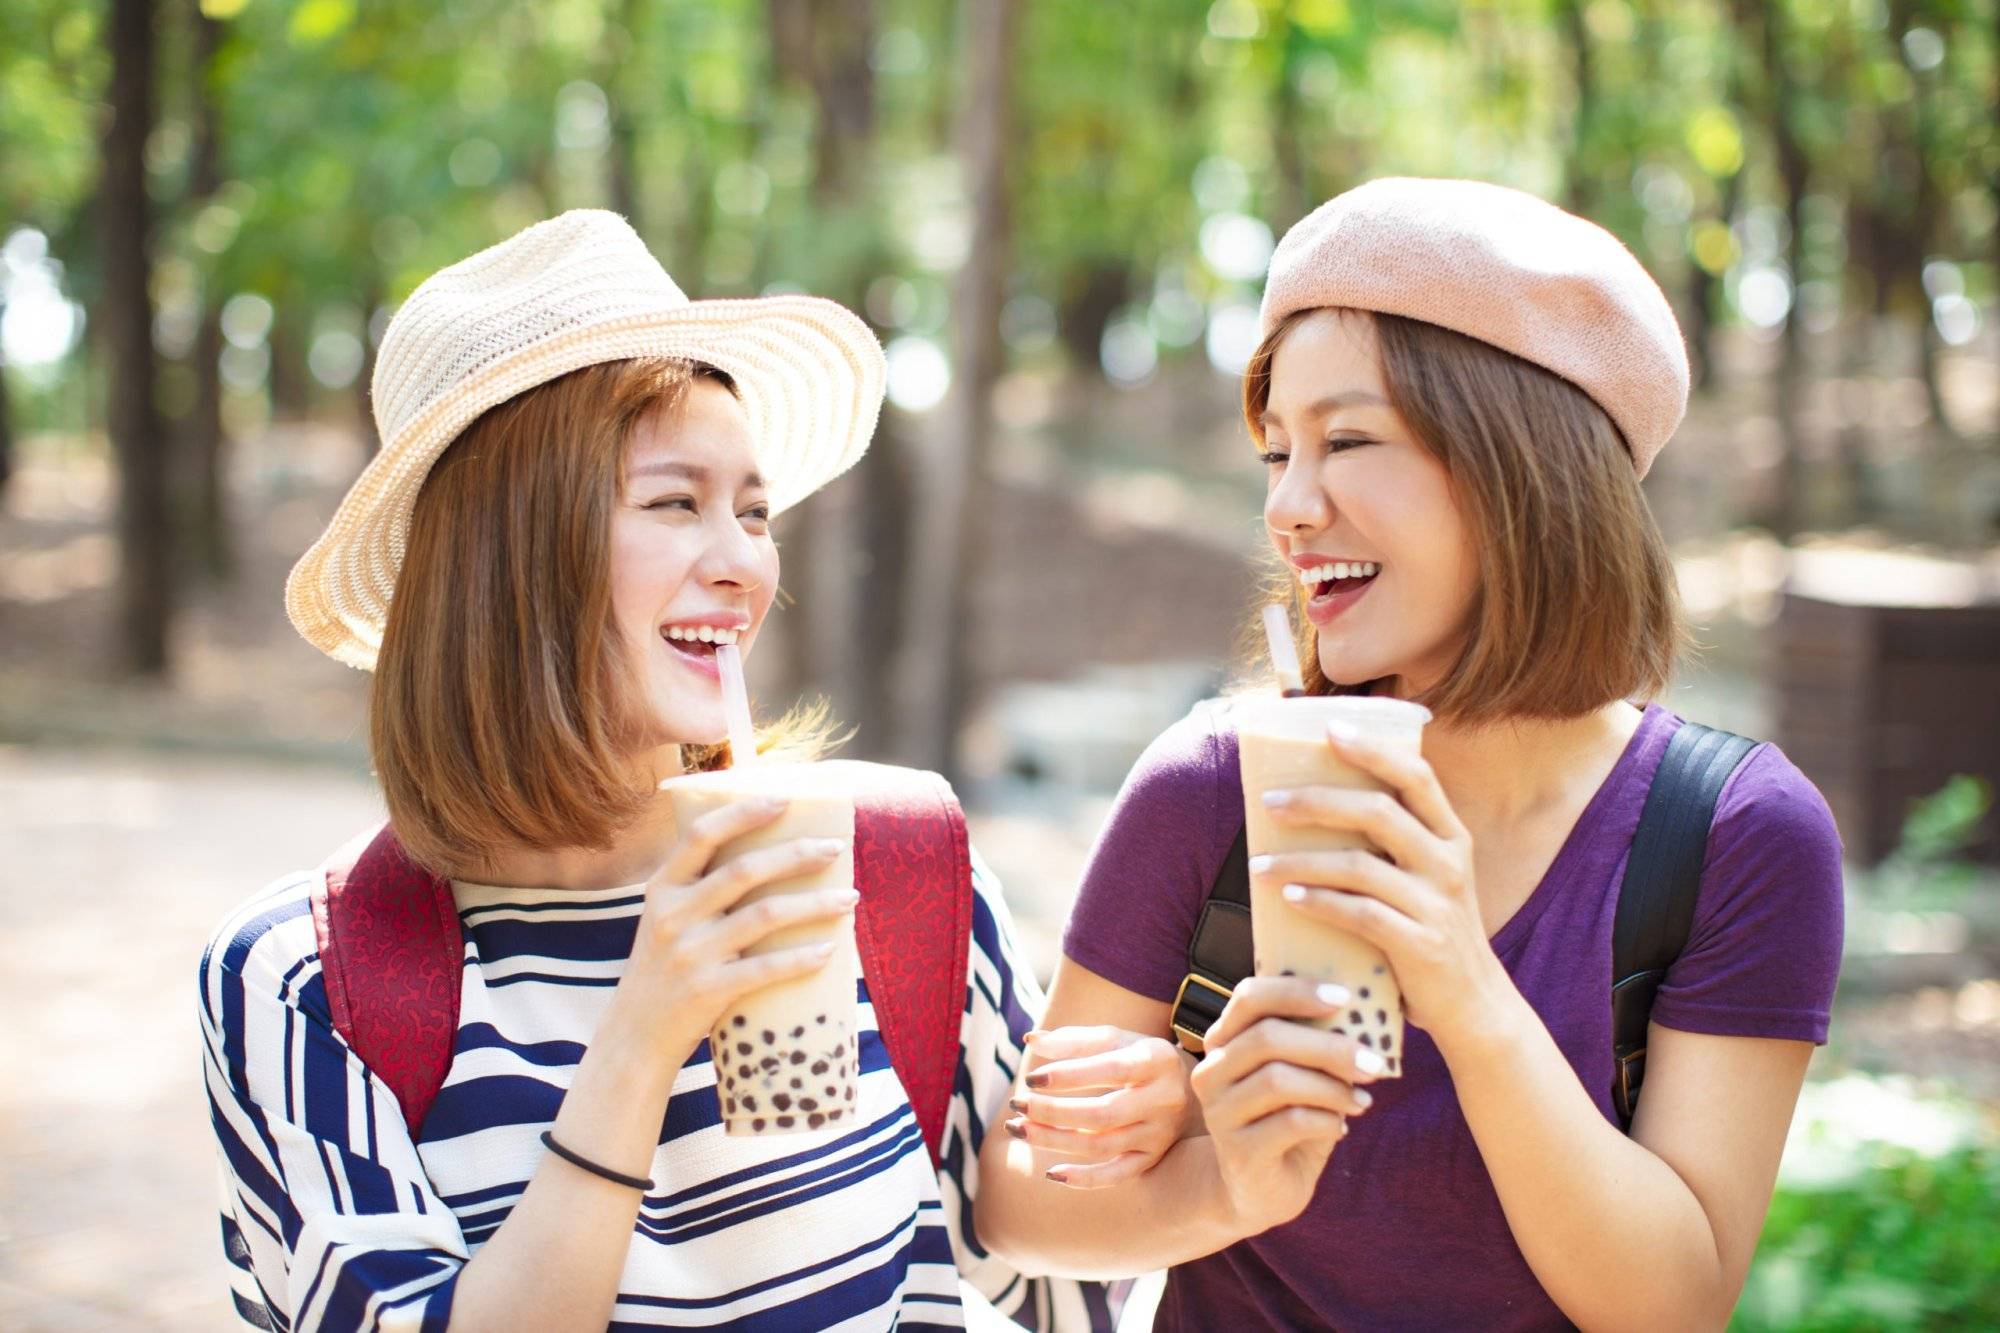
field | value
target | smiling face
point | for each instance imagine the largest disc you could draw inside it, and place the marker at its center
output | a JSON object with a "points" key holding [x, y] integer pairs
{"points": [[1362, 512], [692, 562]]}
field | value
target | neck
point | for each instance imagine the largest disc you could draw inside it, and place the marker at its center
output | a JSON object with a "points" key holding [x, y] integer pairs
{"points": [[633, 855], [1499, 772]]}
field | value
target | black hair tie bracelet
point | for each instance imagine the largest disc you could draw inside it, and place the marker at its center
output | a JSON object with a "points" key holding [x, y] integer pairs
{"points": [[584, 1163]]}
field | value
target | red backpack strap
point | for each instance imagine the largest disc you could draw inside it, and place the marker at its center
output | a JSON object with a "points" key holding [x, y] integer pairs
{"points": [[391, 953], [914, 929]]}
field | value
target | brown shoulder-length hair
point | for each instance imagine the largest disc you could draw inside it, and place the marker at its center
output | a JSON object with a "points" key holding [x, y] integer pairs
{"points": [[503, 712], [1576, 604]]}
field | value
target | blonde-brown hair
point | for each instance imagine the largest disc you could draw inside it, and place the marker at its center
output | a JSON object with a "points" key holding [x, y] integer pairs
{"points": [[503, 713], [1576, 604]]}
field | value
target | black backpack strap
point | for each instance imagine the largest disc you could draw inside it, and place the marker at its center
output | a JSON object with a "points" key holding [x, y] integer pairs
{"points": [[1656, 899], [1220, 954]]}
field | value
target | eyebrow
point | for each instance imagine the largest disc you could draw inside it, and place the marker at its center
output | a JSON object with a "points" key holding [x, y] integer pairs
{"points": [[752, 480], [1319, 407]]}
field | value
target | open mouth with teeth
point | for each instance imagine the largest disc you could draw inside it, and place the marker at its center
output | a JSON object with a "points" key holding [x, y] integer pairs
{"points": [[1332, 580], [697, 643]]}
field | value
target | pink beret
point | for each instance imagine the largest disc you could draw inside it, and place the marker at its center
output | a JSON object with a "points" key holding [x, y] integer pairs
{"points": [[1503, 267]]}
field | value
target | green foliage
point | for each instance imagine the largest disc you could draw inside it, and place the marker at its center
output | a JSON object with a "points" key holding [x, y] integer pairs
{"points": [[1909, 1243]]}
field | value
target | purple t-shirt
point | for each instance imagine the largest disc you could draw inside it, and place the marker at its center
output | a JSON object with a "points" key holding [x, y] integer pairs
{"points": [[1405, 1230]]}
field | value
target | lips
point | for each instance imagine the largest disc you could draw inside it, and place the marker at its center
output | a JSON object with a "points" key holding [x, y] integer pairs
{"points": [[694, 641], [1333, 597]]}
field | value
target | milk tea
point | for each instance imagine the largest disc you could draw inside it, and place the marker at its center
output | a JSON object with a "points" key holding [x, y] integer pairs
{"points": [[1283, 746], [786, 1057]]}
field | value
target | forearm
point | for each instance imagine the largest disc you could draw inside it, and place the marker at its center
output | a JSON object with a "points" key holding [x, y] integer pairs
{"points": [[1611, 1231], [1175, 1212], [556, 1261]]}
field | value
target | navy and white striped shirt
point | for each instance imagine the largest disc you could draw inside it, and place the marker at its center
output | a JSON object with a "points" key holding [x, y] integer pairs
{"points": [[332, 1218]]}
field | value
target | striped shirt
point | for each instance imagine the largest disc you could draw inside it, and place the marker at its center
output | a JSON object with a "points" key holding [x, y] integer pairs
{"points": [[333, 1218]]}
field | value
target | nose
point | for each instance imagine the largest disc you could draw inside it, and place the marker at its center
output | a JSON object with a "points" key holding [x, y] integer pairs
{"points": [[1298, 505], [733, 559]]}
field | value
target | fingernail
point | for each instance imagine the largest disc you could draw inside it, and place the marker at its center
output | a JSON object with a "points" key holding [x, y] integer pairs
{"points": [[1260, 864], [1056, 1174], [1332, 993], [1037, 1080], [1369, 1062], [1035, 1034], [1017, 1128], [1342, 732], [828, 846], [825, 950], [1363, 1098], [1274, 799], [1293, 893], [1017, 1104]]}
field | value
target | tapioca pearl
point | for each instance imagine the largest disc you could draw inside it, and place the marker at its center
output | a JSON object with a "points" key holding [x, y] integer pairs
{"points": [[798, 1032], [1382, 1017], [839, 1050], [782, 1100], [768, 1063], [815, 1121], [1364, 992], [749, 1102], [744, 1072], [821, 1019], [808, 1103], [758, 1124], [833, 1115], [729, 1105], [1354, 1016], [786, 1122], [798, 1083], [1388, 1042], [744, 1048], [819, 1067], [798, 1057], [832, 1091], [1366, 1040]]}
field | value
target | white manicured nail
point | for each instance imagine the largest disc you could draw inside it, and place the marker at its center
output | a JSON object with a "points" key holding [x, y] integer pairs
{"points": [[1369, 1062], [1294, 893], [1329, 993]]}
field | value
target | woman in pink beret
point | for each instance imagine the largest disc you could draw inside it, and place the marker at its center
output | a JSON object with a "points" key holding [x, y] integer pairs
{"points": [[1458, 391]]}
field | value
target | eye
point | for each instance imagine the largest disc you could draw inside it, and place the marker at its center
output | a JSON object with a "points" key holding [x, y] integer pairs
{"points": [[1272, 457], [682, 502], [1342, 443], [757, 513]]}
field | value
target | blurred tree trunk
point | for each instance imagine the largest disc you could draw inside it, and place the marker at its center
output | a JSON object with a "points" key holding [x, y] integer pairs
{"points": [[206, 448], [1091, 294], [934, 685], [290, 384], [1926, 212], [1296, 195], [838, 647], [146, 586], [623, 129], [1579, 176], [1761, 27], [1701, 298]]}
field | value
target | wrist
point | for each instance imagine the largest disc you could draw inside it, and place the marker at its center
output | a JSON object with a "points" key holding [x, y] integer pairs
{"points": [[1490, 1026]]}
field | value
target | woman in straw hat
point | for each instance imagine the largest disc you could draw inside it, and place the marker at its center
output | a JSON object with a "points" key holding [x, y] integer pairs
{"points": [[574, 500], [1458, 390]]}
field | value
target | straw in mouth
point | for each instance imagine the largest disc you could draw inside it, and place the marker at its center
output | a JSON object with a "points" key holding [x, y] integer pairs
{"points": [[736, 704]]}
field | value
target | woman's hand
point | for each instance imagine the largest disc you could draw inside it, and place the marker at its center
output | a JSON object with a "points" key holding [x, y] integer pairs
{"points": [[1414, 899], [1276, 1095], [1112, 1101], [688, 962]]}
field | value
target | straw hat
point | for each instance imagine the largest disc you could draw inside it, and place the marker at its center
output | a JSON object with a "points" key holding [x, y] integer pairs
{"points": [[574, 291], [1507, 268]]}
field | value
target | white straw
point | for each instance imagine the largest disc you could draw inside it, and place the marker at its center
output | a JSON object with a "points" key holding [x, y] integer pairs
{"points": [[1284, 649], [736, 705]]}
